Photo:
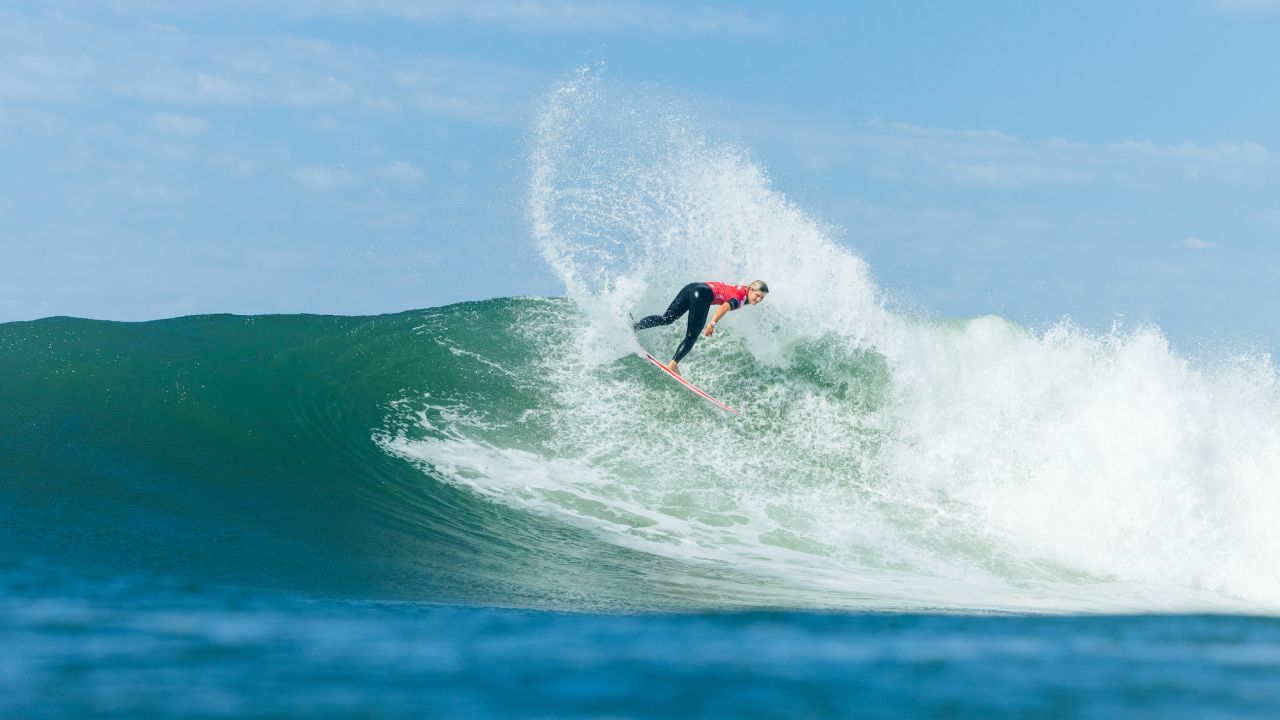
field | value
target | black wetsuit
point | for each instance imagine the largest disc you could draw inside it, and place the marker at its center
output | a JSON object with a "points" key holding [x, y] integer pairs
{"points": [[695, 299]]}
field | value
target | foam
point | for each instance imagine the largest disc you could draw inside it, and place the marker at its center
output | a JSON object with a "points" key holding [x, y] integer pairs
{"points": [[892, 461]]}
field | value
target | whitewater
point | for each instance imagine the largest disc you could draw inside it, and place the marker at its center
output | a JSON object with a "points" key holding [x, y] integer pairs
{"points": [[883, 460]]}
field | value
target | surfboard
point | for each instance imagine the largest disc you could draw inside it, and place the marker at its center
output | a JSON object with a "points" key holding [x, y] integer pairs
{"points": [[693, 388]]}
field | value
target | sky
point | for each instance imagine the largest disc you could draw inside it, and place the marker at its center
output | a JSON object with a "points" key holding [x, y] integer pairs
{"points": [[1091, 160]]}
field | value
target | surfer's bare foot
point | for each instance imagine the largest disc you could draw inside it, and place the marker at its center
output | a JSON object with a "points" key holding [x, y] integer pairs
{"points": [[673, 367]]}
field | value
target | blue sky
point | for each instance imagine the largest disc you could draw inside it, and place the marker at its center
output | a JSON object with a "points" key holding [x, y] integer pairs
{"points": [[1035, 160]]}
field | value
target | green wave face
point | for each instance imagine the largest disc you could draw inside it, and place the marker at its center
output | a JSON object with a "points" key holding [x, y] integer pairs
{"points": [[436, 455], [249, 450], [465, 455]]}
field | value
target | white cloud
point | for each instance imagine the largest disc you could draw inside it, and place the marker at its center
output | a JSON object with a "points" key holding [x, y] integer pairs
{"points": [[342, 80], [906, 153], [1229, 160], [998, 175], [321, 177], [568, 16], [179, 124], [425, 259], [1248, 4], [401, 171], [537, 16], [187, 87], [43, 76], [470, 90], [29, 119], [282, 259], [85, 52], [1196, 243], [1269, 218], [144, 192], [394, 219], [304, 91]]}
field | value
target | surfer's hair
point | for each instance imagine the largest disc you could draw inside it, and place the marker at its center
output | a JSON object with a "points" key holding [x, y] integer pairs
{"points": [[760, 285]]}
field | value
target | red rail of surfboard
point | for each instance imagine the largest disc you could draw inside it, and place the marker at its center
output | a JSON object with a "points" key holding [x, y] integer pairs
{"points": [[688, 384]]}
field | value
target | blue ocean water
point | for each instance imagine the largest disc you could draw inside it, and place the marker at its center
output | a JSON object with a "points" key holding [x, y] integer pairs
{"points": [[499, 509], [252, 517], [137, 648]]}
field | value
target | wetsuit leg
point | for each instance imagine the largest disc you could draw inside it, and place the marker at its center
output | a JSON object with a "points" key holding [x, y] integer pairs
{"points": [[699, 303], [678, 307]]}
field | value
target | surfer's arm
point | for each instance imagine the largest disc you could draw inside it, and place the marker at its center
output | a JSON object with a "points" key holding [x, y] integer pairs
{"points": [[720, 311]]}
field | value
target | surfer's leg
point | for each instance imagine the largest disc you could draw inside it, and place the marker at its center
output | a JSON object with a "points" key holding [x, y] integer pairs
{"points": [[678, 307], [699, 303]]}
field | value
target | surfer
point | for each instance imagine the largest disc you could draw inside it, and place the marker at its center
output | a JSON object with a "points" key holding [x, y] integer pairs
{"points": [[696, 299]]}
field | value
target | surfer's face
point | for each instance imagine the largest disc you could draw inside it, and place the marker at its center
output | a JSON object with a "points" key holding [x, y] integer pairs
{"points": [[755, 296]]}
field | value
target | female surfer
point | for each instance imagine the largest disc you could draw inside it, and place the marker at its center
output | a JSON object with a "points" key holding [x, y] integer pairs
{"points": [[696, 299]]}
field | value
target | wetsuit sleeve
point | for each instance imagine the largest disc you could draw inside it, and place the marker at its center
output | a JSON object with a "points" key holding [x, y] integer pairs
{"points": [[734, 304]]}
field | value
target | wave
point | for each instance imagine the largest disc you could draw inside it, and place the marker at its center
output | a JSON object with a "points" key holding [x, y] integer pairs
{"points": [[442, 455], [519, 452]]}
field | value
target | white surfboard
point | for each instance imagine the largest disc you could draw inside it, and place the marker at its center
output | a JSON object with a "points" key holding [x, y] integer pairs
{"points": [[693, 388]]}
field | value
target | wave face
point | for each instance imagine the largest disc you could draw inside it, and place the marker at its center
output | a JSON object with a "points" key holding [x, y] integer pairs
{"points": [[518, 452], [262, 452]]}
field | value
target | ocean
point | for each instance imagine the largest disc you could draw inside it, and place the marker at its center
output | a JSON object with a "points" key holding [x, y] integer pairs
{"points": [[409, 516], [500, 509]]}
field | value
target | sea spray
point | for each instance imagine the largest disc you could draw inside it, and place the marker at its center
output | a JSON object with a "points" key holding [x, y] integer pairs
{"points": [[947, 463]]}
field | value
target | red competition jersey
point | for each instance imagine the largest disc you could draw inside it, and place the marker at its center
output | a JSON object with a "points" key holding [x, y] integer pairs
{"points": [[735, 295]]}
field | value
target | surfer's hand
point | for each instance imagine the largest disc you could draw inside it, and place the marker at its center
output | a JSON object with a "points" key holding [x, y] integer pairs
{"points": [[710, 328]]}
